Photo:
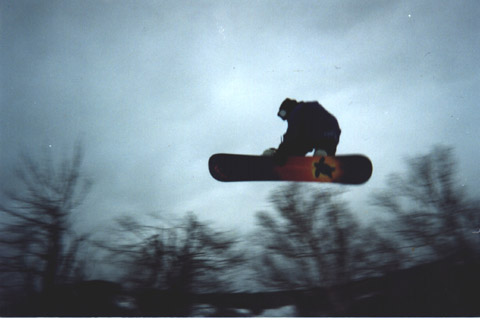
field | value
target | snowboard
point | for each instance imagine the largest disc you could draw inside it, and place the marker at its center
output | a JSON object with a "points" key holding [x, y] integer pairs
{"points": [[345, 169]]}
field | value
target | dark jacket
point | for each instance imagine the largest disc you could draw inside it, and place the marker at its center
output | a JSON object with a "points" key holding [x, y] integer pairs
{"points": [[310, 126]]}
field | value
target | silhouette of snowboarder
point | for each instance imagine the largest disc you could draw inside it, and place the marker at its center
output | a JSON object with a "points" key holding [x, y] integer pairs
{"points": [[310, 127]]}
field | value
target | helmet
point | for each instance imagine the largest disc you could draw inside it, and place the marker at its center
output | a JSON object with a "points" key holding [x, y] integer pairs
{"points": [[286, 108]]}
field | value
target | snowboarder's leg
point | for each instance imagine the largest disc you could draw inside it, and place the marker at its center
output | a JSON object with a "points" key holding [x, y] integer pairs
{"points": [[286, 150]]}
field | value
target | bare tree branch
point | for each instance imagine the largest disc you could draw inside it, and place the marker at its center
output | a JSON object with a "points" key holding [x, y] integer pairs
{"points": [[36, 224], [428, 207]]}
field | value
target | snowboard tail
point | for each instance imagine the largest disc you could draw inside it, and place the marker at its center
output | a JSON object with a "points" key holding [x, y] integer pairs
{"points": [[346, 169]]}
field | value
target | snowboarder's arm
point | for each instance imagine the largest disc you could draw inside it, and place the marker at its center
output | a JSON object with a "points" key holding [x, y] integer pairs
{"points": [[291, 137], [287, 146]]}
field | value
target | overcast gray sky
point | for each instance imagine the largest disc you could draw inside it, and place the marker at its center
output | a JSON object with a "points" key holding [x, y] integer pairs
{"points": [[153, 88]]}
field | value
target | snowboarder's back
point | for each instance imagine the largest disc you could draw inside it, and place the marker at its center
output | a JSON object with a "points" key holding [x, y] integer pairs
{"points": [[310, 126]]}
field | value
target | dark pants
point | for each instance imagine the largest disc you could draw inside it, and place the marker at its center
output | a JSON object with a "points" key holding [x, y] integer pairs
{"points": [[301, 149]]}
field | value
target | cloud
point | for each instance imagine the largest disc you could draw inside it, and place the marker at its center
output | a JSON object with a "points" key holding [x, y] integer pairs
{"points": [[155, 87]]}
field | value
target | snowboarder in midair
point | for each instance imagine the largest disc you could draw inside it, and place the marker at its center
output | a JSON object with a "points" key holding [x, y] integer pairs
{"points": [[310, 127]]}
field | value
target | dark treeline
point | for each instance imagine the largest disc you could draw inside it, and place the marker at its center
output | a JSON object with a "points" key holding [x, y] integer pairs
{"points": [[309, 256]]}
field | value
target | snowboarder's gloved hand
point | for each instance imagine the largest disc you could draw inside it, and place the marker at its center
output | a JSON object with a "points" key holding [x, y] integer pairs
{"points": [[270, 152], [279, 158]]}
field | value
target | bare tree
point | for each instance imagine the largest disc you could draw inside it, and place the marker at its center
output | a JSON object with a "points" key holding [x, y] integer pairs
{"points": [[432, 215], [167, 263], [185, 257], [40, 247], [315, 241]]}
